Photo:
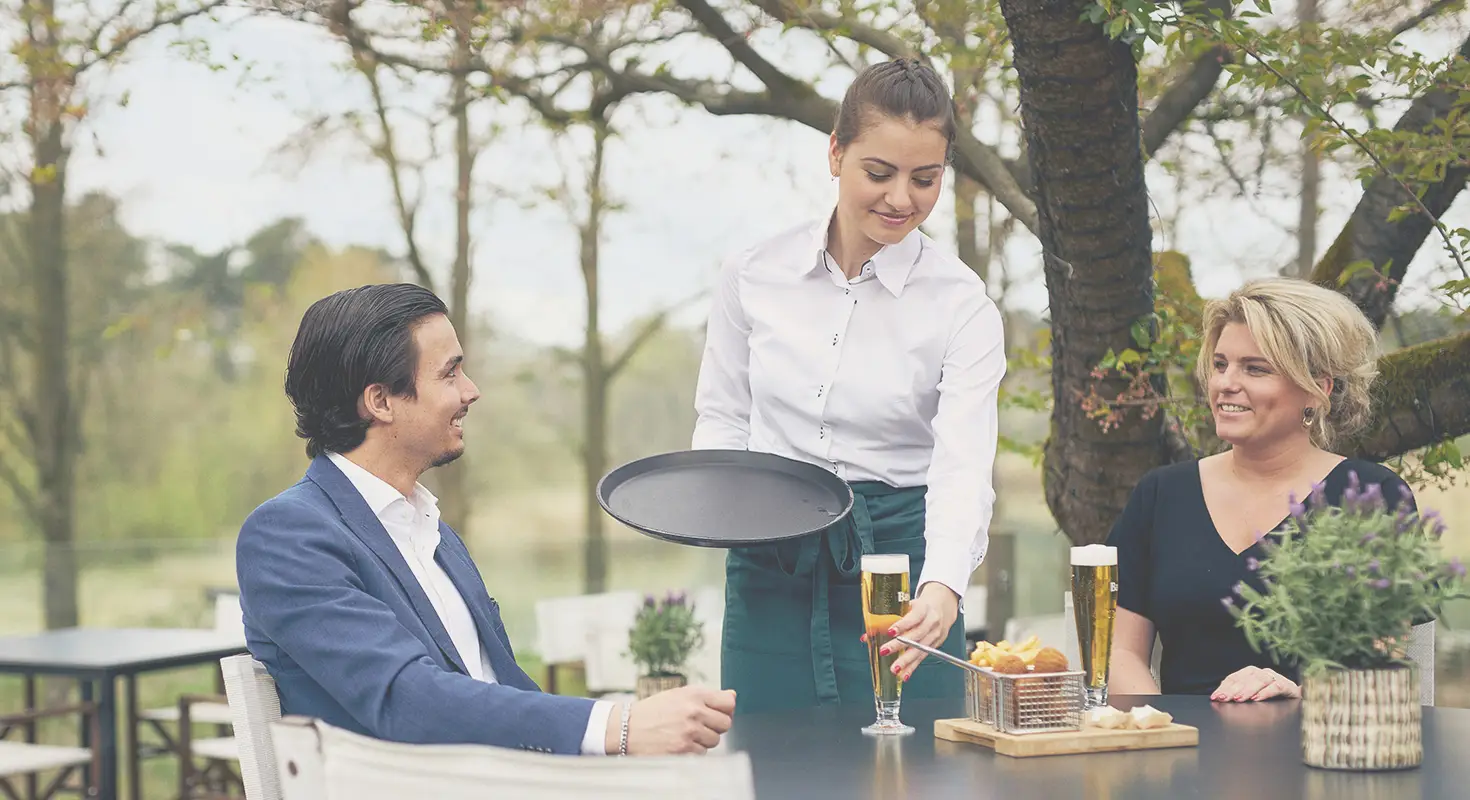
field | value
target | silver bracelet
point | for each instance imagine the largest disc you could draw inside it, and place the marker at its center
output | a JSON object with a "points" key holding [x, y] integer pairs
{"points": [[623, 736]]}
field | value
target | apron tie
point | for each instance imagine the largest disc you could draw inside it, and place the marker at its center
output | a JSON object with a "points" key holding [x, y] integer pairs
{"points": [[846, 546]]}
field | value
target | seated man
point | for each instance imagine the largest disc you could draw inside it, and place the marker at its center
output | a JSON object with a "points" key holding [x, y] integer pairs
{"points": [[364, 607]]}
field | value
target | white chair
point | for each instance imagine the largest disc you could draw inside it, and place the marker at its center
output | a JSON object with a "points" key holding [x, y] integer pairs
{"points": [[76, 769], [605, 632], [254, 706], [320, 762], [171, 724], [581, 629], [1421, 652]]}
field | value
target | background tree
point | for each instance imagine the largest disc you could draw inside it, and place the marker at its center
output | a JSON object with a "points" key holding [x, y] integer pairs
{"points": [[63, 45]]}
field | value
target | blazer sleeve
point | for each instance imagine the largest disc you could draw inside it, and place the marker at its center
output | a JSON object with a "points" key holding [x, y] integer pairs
{"points": [[300, 587]]}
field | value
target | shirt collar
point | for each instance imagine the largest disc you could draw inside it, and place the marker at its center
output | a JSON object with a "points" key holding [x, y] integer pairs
{"points": [[892, 263], [376, 491]]}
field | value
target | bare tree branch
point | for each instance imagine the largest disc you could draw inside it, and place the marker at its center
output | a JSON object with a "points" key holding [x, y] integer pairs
{"points": [[740, 49], [1430, 11], [23, 494], [1388, 246], [366, 61], [131, 35], [1182, 97], [95, 40], [645, 333], [788, 13]]}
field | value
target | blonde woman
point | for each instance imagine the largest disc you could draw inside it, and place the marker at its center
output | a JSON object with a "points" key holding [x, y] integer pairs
{"points": [[1287, 366]]}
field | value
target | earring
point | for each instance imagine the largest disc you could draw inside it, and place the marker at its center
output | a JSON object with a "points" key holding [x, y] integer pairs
{"points": [[1308, 415]]}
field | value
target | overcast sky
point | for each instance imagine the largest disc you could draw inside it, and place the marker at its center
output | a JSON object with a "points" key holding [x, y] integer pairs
{"points": [[195, 157]]}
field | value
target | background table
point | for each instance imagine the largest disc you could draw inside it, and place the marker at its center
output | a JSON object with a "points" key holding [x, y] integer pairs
{"points": [[97, 657], [1245, 751]]}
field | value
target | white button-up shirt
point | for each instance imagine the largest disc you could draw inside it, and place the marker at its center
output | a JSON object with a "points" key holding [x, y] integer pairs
{"points": [[413, 525], [891, 376]]}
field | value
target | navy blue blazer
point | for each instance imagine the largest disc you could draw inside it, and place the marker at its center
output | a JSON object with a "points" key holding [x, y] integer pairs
{"points": [[344, 628]]}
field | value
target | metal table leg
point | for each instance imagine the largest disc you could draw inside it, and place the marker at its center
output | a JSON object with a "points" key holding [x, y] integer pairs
{"points": [[107, 737], [32, 785], [135, 783]]}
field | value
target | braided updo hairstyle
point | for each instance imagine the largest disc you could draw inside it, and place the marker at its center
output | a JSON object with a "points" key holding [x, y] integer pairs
{"points": [[904, 88]]}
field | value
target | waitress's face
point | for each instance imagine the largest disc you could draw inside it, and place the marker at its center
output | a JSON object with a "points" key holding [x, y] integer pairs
{"points": [[888, 177]]}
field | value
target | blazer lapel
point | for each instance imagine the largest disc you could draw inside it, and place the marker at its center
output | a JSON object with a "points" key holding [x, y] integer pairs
{"points": [[483, 608], [365, 524]]}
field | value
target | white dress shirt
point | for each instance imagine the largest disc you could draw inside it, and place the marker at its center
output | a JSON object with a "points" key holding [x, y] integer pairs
{"points": [[413, 525], [891, 376]]}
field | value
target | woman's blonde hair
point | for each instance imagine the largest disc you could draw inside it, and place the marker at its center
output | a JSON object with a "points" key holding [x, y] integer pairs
{"points": [[1308, 333]]}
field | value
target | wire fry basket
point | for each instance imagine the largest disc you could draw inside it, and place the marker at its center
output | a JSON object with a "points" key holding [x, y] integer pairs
{"points": [[1028, 703]]}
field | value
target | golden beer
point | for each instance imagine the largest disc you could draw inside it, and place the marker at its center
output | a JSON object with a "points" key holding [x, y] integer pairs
{"points": [[885, 589], [1094, 605]]}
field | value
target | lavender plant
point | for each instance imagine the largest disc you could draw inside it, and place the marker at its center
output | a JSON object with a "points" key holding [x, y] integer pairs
{"points": [[663, 635], [1344, 585]]}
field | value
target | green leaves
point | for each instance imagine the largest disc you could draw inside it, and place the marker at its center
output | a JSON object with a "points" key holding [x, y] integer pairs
{"points": [[1343, 585], [664, 633]]}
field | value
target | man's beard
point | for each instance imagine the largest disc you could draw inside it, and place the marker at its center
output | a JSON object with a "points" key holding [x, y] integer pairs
{"points": [[447, 458]]}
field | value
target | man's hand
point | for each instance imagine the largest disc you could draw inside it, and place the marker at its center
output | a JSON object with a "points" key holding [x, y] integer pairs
{"points": [[689, 719]]}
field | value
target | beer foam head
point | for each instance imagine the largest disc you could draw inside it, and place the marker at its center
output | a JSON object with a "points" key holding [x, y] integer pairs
{"points": [[1094, 555], [886, 563]]}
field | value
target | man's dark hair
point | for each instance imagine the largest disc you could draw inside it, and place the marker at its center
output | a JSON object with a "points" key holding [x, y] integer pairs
{"points": [[904, 88], [347, 342]]}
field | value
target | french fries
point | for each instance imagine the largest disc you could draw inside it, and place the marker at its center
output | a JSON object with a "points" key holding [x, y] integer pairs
{"points": [[985, 653]]}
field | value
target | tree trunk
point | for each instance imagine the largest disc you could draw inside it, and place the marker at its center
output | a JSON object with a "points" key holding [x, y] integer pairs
{"points": [[57, 432], [967, 231], [455, 497], [594, 375], [1370, 237], [1306, 228], [1079, 111], [967, 189], [1419, 399]]}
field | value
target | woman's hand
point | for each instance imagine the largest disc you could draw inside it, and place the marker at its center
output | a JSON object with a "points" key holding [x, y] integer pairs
{"points": [[1254, 683], [930, 616]]}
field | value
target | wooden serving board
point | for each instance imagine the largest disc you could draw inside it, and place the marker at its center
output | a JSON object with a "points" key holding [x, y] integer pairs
{"points": [[1086, 740]]}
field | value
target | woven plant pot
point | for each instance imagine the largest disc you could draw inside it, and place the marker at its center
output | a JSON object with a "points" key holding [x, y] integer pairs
{"points": [[1362, 719], [649, 685]]}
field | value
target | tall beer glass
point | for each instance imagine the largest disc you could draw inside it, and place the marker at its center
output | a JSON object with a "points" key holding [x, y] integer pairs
{"points": [[885, 587], [1095, 603]]}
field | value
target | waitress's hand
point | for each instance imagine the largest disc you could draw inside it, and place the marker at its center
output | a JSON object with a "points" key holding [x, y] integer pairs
{"points": [[928, 621]]}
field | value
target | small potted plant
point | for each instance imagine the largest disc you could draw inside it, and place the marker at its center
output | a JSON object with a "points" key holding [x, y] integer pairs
{"points": [[1343, 588], [664, 634]]}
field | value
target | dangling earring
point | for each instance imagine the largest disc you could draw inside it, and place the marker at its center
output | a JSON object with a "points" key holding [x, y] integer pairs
{"points": [[1308, 415]]}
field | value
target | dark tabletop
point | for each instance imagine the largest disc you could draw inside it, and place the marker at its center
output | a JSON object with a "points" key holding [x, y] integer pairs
{"points": [[114, 650], [1247, 750]]}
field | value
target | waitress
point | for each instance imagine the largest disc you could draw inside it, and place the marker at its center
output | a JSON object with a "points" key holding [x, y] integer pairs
{"points": [[855, 343]]}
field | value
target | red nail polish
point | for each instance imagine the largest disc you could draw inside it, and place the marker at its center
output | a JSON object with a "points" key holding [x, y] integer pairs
{"points": [[892, 631]]}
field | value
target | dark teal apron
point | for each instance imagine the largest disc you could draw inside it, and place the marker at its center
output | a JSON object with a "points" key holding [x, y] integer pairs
{"points": [[794, 615]]}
